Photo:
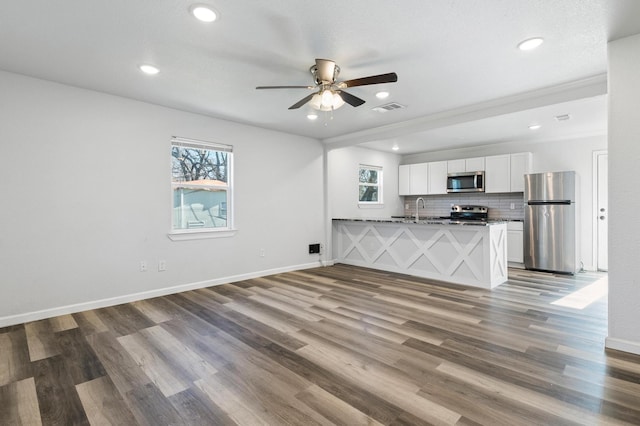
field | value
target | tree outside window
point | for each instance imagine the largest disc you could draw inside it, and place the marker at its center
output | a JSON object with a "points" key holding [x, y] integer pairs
{"points": [[370, 185], [200, 179]]}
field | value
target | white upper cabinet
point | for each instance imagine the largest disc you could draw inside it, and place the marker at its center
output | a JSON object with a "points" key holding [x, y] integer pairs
{"points": [[520, 166], [404, 187], [505, 173], [413, 179], [497, 173], [474, 164], [423, 178], [419, 178], [456, 166], [465, 165], [437, 177]]}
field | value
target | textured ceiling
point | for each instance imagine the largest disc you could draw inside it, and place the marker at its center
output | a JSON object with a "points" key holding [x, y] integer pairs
{"points": [[460, 76]]}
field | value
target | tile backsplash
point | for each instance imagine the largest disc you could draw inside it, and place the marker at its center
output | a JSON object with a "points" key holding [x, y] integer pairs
{"points": [[440, 205]]}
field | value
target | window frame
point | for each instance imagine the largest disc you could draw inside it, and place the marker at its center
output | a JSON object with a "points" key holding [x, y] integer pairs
{"points": [[380, 201], [200, 233]]}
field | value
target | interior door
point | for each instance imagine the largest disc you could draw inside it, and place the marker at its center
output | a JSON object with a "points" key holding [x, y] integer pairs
{"points": [[603, 212]]}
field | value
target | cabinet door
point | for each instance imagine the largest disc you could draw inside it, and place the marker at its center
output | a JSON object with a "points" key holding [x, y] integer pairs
{"points": [[520, 165], [419, 179], [474, 164], [497, 174], [515, 242], [515, 249], [456, 166], [404, 187], [438, 177]]}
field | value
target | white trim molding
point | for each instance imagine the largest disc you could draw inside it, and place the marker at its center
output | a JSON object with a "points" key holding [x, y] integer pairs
{"points": [[622, 345], [9, 320]]}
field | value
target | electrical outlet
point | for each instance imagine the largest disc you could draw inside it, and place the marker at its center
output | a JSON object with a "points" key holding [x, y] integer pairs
{"points": [[406, 206], [262, 252], [162, 265], [512, 206], [143, 266]]}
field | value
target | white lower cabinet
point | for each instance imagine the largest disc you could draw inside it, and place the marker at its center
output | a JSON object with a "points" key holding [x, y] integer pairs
{"points": [[515, 242]]}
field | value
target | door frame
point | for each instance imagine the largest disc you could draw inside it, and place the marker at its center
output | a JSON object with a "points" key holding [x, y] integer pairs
{"points": [[594, 207]]}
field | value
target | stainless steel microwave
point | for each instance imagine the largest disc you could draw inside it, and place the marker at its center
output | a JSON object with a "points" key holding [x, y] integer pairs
{"points": [[465, 182]]}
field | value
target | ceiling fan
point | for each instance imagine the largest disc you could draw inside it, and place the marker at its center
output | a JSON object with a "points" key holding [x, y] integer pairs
{"points": [[331, 94]]}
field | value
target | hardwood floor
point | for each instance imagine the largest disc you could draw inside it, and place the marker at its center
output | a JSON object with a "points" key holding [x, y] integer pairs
{"points": [[336, 345]]}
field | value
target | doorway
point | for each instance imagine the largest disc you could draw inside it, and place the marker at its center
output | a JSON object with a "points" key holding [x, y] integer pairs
{"points": [[601, 204]]}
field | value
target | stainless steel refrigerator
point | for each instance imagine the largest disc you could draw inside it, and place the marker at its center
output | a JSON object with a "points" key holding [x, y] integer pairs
{"points": [[550, 222]]}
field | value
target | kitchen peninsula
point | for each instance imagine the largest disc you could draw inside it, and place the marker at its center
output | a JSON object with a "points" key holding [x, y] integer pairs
{"points": [[468, 254]]}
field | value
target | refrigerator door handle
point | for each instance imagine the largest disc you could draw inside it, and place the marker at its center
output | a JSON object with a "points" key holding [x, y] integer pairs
{"points": [[548, 202]]}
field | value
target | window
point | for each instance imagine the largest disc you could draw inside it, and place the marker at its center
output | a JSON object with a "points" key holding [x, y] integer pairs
{"points": [[201, 186], [370, 185]]}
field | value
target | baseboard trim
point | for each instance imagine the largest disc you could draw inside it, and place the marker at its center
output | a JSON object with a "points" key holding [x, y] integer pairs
{"points": [[622, 345], [127, 298]]}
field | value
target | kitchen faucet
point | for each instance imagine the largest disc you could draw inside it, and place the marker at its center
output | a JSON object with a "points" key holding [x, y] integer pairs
{"points": [[424, 206]]}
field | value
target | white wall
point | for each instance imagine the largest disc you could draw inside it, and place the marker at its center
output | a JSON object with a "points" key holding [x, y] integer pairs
{"points": [[342, 181], [550, 156], [624, 158], [85, 187]]}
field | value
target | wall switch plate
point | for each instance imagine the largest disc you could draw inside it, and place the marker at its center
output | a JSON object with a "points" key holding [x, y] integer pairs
{"points": [[143, 266], [162, 265], [262, 252]]}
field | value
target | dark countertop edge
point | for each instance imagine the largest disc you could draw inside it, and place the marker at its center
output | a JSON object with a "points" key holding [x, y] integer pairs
{"points": [[419, 222]]}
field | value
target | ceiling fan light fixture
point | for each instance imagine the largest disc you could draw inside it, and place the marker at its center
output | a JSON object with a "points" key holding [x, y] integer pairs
{"points": [[531, 43], [203, 13], [326, 100]]}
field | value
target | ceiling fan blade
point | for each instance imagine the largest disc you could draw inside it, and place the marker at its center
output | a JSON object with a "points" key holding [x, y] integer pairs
{"points": [[391, 77], [302, 102], [350, 99], [286, 87], [325, 70]]}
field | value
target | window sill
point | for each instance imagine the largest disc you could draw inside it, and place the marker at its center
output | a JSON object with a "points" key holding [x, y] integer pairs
{"points": [[370, 206], [201, 235]]}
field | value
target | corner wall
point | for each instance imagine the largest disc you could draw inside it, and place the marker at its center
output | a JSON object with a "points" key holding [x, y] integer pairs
{"points": [[342, 177], [624, 158], [86, 196]]}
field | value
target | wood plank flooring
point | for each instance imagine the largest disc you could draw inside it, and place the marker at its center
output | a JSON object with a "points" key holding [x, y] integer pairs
{"points": [[337, 345]]}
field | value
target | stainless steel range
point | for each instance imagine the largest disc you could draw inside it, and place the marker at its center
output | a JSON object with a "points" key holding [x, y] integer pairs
{"points": [[469, 214]]}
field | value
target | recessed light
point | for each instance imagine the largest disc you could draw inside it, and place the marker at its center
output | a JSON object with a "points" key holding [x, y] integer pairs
{"points": [[203, 13], [531, 43], [382, 95], [395, 147], [312, 116], [149, 69], [534, 127]]}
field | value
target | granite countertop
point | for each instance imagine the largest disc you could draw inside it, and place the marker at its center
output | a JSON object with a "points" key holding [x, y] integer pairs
{"points": [[424, 221]]}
